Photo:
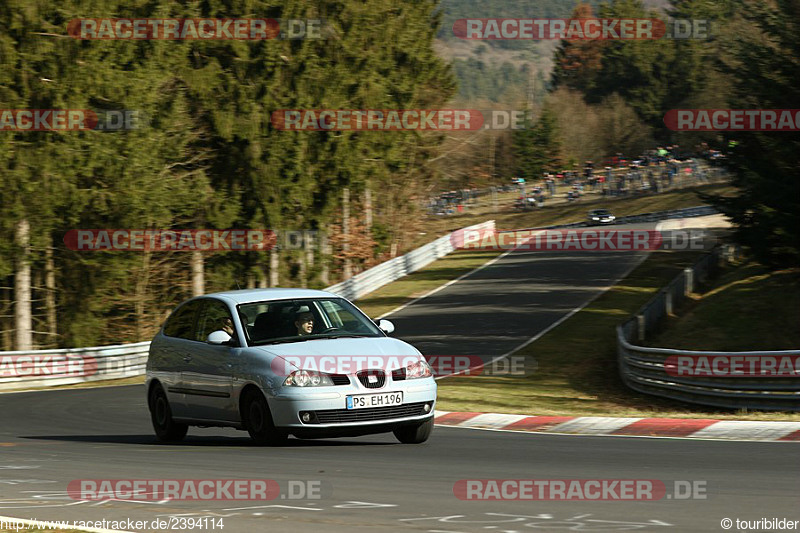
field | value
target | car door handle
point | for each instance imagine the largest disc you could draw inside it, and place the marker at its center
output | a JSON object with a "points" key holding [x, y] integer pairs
{"points": [[187, 358]]}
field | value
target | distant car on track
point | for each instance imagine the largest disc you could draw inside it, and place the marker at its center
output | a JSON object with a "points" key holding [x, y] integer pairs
{"points": [[600, 217], [277, 362]]}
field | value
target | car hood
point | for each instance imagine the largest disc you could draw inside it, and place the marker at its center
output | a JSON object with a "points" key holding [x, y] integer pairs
{"points": [[367, 346]]}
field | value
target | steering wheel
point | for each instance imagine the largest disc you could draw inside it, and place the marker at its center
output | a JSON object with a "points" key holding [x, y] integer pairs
{"points": [[327, 330]]}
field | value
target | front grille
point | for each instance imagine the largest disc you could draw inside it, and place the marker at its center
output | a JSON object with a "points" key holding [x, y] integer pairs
{"points": [[378, 380], [340, 379], [343, 416]]}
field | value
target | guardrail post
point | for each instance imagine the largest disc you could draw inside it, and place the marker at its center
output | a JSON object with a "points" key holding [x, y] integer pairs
{"points": [[668, 302], [641, 325], [688, 274]]}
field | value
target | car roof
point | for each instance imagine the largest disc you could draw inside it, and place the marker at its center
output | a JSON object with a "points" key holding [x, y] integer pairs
{"points": [[245, 296]]}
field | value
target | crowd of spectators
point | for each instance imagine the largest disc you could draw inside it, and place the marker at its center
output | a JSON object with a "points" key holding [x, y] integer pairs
{"points": [[651, 172]]}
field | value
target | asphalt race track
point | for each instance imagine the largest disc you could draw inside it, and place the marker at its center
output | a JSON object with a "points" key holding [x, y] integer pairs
{"points": [[48, 439]]}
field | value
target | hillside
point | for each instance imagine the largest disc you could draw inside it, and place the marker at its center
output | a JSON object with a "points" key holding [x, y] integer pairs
{"points": [[502, 71]]}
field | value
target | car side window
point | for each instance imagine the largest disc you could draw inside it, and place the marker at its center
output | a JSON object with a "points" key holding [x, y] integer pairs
{"points": [[214, 316], [181, 323]]}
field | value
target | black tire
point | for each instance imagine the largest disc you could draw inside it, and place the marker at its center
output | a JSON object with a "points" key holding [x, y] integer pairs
{"points": [[414, 434], [167, 430], [257, 419]]}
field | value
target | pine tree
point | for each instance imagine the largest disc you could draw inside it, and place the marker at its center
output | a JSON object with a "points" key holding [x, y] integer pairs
{"points": [[766, 67]]}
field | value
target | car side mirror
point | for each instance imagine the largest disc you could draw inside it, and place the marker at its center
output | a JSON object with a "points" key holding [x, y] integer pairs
{"points": [[218, 337], [386, 326]]}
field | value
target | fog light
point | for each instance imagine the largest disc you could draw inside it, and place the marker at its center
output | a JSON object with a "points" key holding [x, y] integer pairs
{"points": [[427, 408], [305, 417]]}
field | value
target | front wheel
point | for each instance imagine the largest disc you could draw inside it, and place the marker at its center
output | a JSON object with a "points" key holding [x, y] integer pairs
{"points": [[258, 421], [414, 434], [167, 430]]}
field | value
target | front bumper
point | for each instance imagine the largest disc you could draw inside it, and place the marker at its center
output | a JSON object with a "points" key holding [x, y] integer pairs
{"points": [[327, 406]]}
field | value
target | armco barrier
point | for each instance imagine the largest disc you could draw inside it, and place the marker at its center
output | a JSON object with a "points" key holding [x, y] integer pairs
{"points": [[35, 369], [377, 277], [47, 368], [643, 368]]}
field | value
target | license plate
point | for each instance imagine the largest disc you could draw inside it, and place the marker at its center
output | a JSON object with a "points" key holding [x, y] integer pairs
{"points": [[365, 401]]}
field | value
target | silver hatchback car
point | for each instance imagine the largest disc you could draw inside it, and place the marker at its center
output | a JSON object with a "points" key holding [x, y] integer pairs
{"points": [[280, 362]]}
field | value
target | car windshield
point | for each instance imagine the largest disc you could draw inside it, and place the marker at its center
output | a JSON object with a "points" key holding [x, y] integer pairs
{"points": [[300, 320], [601, 212]]}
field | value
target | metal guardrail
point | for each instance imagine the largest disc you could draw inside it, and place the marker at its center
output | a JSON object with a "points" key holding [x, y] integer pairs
{"points": [[378, 276], [644, 369], [47, 368]]}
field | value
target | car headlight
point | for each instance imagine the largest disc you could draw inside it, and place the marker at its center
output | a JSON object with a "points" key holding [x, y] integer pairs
{"points": [[595, 218], [611, 217], [420, 369], [307, 378]]}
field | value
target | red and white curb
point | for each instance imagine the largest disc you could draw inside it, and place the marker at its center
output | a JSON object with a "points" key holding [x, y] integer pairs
{"points": [[695, 428]]}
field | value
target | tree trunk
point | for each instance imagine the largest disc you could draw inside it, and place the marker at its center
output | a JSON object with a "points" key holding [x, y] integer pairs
{"points": [[348, 267], [23, 320], [368, 209], [140, 300], [6, 320], [198, 274], [310, 246], [50, 296], [274, 262], [325, 249], [303, 270]]}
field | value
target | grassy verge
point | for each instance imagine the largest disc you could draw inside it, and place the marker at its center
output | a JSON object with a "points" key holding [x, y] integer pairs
{"points": [[766, 317], [424, 280], [572, 370]]}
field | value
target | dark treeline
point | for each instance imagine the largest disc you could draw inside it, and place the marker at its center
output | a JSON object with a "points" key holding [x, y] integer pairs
{"points": [[204, 156]]}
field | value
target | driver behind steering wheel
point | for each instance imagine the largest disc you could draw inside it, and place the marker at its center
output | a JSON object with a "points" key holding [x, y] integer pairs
{"points": [[304, 322]]}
